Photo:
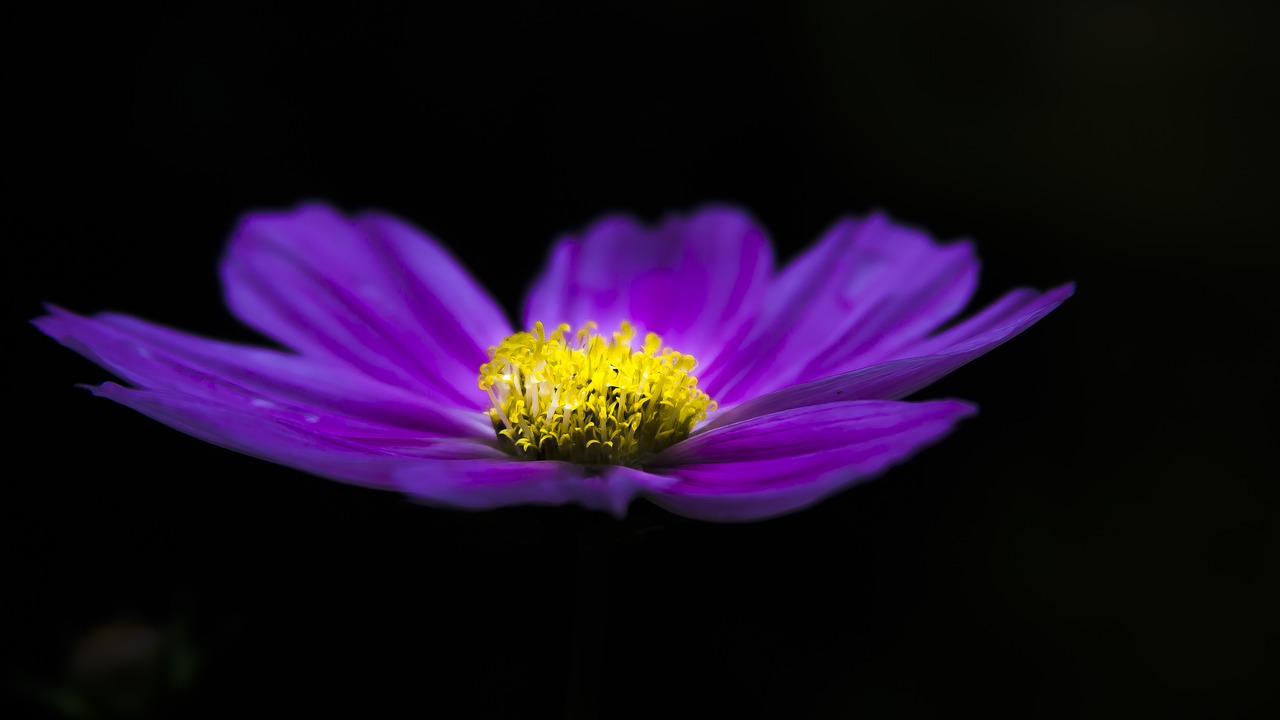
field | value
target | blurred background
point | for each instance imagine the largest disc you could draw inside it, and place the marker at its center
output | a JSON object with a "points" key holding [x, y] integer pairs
{"points": [[1101, 541]]}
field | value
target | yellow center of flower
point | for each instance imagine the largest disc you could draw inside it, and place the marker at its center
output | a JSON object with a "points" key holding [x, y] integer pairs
{"points": [[589, 399]]}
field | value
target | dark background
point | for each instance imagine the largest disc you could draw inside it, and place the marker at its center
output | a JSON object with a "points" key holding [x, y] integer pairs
{"points": [[1101, 541]]}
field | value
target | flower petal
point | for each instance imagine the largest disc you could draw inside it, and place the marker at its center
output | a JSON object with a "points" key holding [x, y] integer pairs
{"points": [[283, 437], [373, 293], [159, 358], [490, 483], [774, 464], [454, 472], [999, 322], [695, 280], [866, 289]]}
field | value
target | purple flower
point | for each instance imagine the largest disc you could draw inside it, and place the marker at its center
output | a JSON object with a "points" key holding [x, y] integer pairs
{"points": [[406, 375]]}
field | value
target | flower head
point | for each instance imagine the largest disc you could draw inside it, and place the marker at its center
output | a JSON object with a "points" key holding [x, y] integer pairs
{"points": [[593, 401], [669, 362]]}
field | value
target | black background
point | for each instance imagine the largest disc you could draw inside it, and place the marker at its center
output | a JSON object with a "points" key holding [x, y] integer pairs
{"points": [[1101, 541]]}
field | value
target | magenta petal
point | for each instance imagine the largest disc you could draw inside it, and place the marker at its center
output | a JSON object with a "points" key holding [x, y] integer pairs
{"points": [[255, 379], [298, 441], [1003, 320], [774, 464], [696, 279], [373, 293], [866, 289], [490, 483]]}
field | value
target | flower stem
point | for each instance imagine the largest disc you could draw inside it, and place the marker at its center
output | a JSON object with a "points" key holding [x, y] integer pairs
{"points": [[590, 609]]}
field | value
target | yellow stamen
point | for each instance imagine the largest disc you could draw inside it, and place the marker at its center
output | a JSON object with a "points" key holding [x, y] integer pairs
{"points": [[591, 401]]}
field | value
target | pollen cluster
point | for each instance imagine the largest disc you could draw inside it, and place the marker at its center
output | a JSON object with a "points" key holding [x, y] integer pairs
{"points": [[589, 399]]}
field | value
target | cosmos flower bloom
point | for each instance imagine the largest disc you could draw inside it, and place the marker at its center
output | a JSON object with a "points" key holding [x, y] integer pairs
{"points": [[669, 362]]}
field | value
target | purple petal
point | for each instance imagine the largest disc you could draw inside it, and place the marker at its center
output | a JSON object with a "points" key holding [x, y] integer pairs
{"points": [[490, 483], [696, 280], [866, 290], [1014, 312], [286, 438], [373, 293], [774, 464], [255, 379], [1001, 321]]}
